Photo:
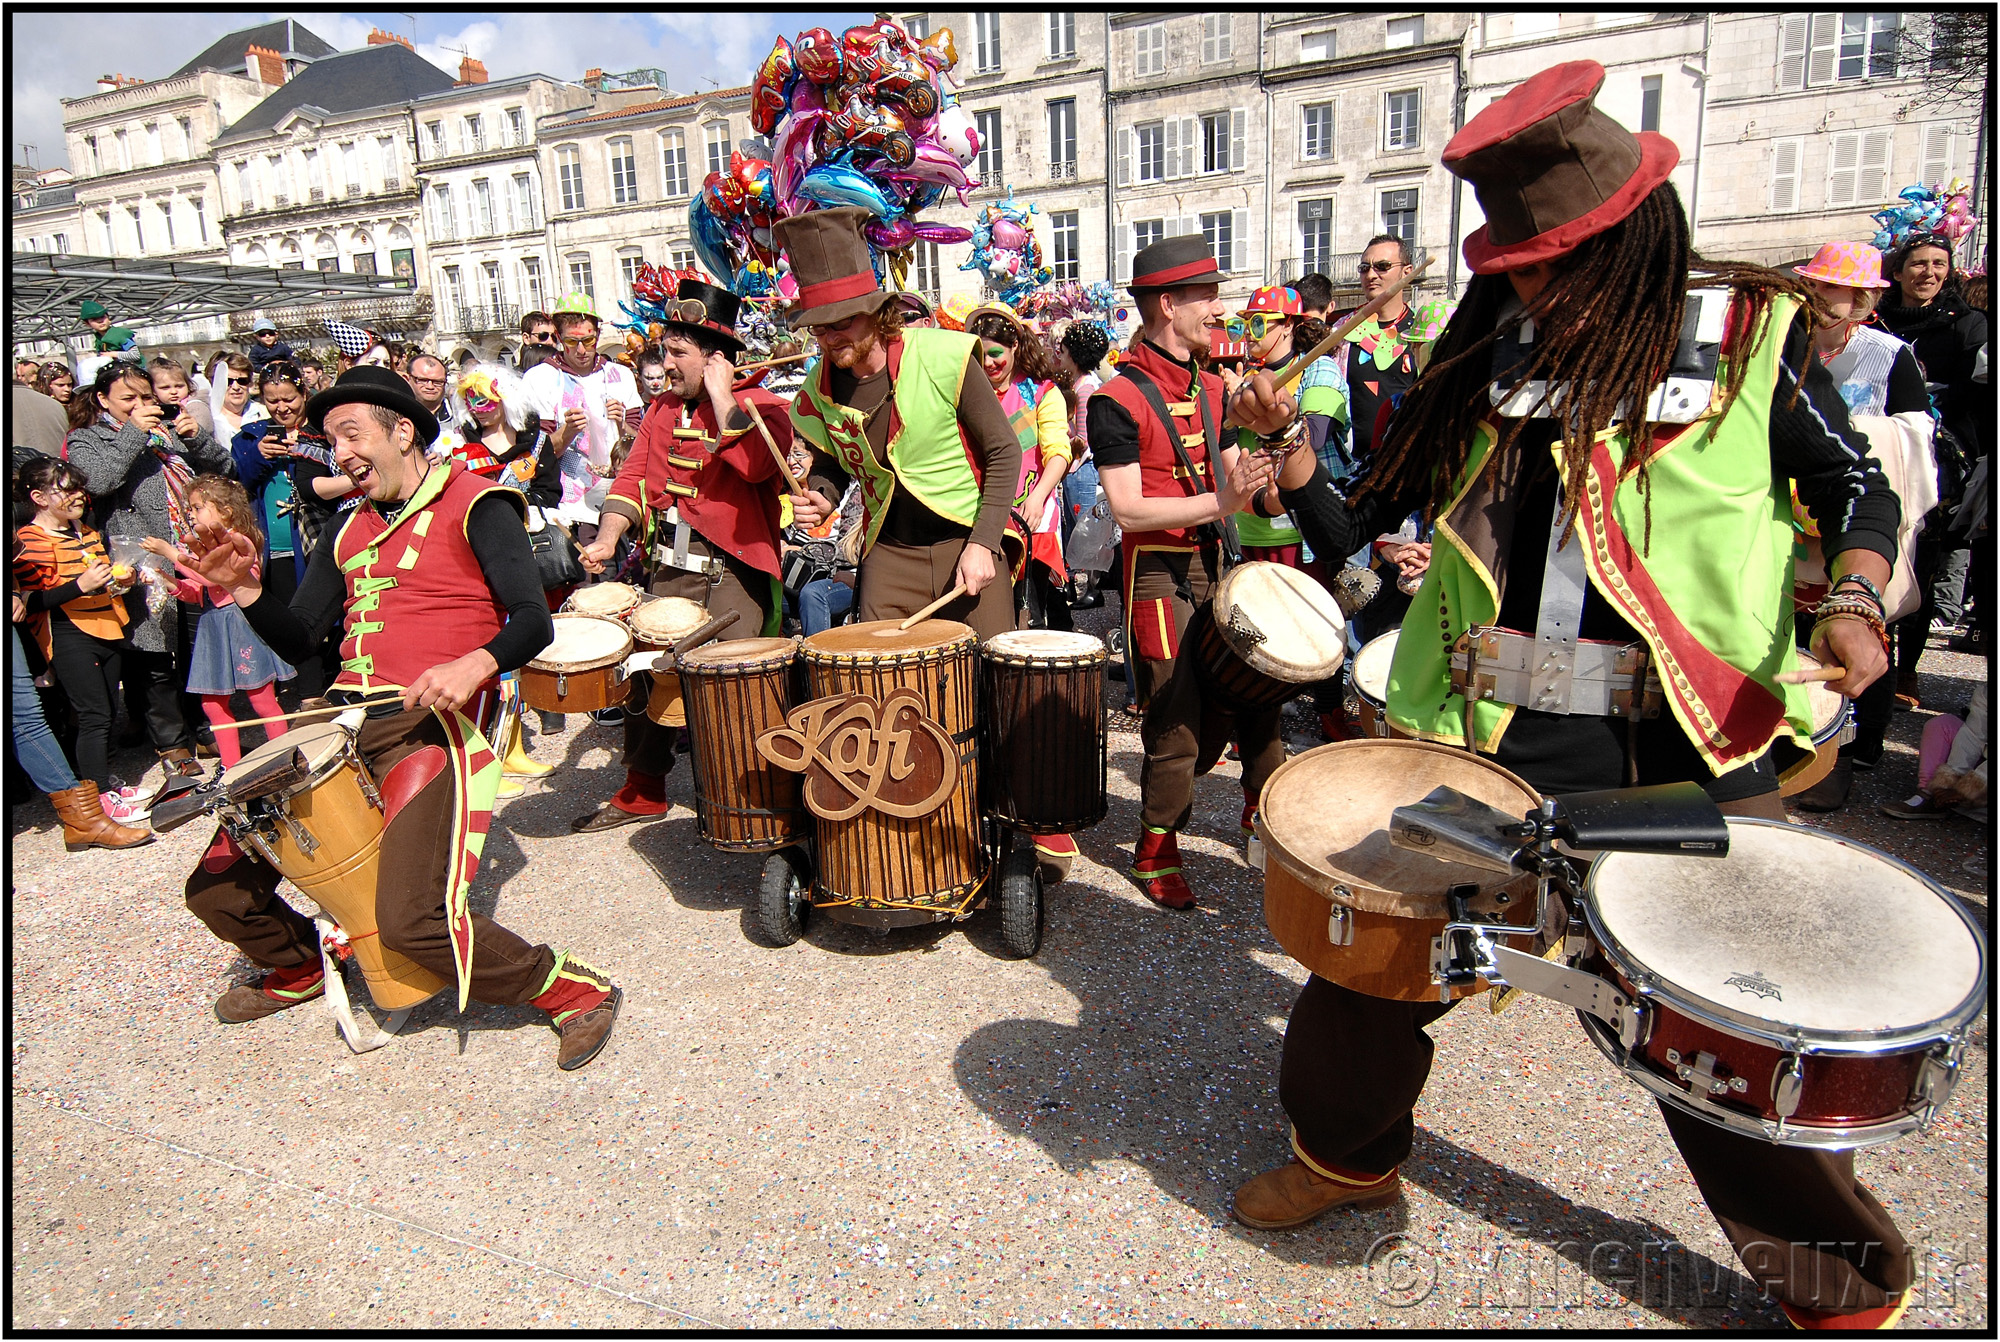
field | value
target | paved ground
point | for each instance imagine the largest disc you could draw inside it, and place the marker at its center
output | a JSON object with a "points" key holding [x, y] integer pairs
{"points": [[895, 1132]]}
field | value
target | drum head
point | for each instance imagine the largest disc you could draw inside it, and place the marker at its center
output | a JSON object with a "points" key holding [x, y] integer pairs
{"points": [[666, 618], [1829, 707], [1326, 820], [743, 652], [881, 638], [1797, 929], [1043, 645], [583, 642], [1281, 621], [1371, 667], [320, 741], [603, 598]]}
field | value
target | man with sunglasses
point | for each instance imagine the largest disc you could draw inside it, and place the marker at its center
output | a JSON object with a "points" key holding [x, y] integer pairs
{"points": [[538, 332]]}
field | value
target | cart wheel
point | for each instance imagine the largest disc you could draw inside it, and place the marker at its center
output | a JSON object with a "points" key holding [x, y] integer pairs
{"points": [[1021, 901], [782, 906]]}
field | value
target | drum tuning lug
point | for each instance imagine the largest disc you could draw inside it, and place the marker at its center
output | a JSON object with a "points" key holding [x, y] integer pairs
{"points": [[1787, 1088], [562, 685], [1340, 924]]}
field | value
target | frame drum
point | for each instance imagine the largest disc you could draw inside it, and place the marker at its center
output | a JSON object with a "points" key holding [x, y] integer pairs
{"points": [[613, 600], [734, 692], [1046, 741], [1833, 727], [583, 669]]}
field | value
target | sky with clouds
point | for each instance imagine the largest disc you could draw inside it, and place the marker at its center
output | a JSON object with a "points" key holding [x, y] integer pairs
{"points": [[61, 55]]}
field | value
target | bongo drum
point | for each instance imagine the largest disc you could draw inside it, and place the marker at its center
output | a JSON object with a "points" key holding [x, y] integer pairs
{"points": [[613, 600], [1369, 674], [1345, 903], [1833, 727], [928, 867], [1806, 990], [1268, 632], [583, 670], [325, 834], [734, 692], [1045, 734], [655, 626]]}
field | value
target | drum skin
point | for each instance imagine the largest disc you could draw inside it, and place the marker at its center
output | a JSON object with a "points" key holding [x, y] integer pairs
{"points": [[612, 600], [655, 625], [1369, 674], [734, 692], [1268, 632], [579, 687], [1324, 820], [933, 863], [339, 875], [1047, 748]]}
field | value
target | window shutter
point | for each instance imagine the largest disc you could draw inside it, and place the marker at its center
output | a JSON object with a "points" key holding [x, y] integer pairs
{"points": [[1825, 48], [1843, 158], [1792, 33], [1170, 227], [1237, 118], [1871, 183], [1125, 241], [1190, 146], [1242, 247], [1191, 223], [1170, 136], [1937, 152], [1124, 155], [1785, 175]]}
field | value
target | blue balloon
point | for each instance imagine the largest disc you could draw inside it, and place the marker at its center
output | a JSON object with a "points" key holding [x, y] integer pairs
{"points": [[830, 185], [711, 242]]}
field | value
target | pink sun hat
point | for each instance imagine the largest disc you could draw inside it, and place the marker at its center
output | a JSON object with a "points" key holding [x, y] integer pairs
{"points": [[1854, 264]]}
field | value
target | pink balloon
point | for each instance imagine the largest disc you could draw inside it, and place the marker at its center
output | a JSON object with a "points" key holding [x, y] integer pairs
{"points": [[1007, 233]]}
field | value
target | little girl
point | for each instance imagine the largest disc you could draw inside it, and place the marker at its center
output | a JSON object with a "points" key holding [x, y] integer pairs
{"points": [[228, 655]]}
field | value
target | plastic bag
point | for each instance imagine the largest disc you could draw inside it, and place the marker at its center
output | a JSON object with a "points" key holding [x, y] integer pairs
{"points": [[1094, 539]]}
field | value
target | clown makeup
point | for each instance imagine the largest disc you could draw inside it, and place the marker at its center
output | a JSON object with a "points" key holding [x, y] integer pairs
{"points": [[998, 361], [483, 407]]}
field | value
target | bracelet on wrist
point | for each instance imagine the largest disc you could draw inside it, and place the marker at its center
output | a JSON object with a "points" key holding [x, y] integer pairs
{"points": [[1861, 580]]}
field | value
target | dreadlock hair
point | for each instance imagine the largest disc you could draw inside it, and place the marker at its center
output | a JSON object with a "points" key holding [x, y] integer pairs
{"points": [[1605, 361]]}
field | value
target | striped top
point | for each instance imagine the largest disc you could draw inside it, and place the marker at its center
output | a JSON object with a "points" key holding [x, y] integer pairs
{"points": [[45, 560]]}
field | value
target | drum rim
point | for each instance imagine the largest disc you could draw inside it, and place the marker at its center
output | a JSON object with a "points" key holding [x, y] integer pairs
{"points": [[1795, 1038], [569, 607], [1099, 651], [1842, 719], [593, 664], [1309, 591], [632, 620], [765, 661], [965, 637], [318, 772]]}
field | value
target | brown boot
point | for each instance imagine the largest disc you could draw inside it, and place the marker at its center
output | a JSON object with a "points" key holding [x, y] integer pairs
{"points": [[279, 989], [86, 826], [180, 760], [1292, 1195]]}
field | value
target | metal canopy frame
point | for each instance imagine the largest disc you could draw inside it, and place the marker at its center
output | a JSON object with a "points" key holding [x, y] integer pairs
{"points": [[45, 291]]}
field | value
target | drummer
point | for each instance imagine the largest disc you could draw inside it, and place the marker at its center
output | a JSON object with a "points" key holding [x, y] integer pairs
{"points": [[1159, 480], [1580, 272], [698, 486], [437, 593]]}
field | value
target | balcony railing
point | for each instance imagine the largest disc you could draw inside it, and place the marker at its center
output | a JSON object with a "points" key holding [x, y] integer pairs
{"points": [[1064, 171], [393, 315], [503, 317]]}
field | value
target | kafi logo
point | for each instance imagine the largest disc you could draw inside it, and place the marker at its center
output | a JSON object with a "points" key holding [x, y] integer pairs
{"points": [[1402, 1272], [1754, 983]]}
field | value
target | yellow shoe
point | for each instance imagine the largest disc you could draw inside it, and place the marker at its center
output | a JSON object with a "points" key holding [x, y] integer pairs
{"points": [[517, 762], [510, 787]]}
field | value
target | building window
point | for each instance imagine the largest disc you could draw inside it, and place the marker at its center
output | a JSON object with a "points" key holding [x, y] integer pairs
{"points": [[987, 123], [1149, 50], [281, 185], [1858, 167], [1218, 32], [569, 175], [986, 42], [580, 281], [1316, 236], [1067, 252], [434, 132], [1152, 142], [681, 258], [1785, 159], [453, 296], [628, 270], [1222, 141], [624, 174], [1316, 47], [1399, 214], [1316, 131], [1868, 46], [154, 152], [138, 229], [1217, 228], [315, 180], [716, 135], [246, 186], [1062, 36], [1649, 103], [532, 292], [362, 263], [200, 216], [350, 167], [482, 206], [385, 150], [517, 127], [447, 222], [673, 164], [62, 243], [167, 218], [1402, 120], [474, 133], [1062, 138], [124, 143], [496, 293], [924, 269], [918, 26], [187, 135], [90, 143], [1405, 32], [521, 208]]}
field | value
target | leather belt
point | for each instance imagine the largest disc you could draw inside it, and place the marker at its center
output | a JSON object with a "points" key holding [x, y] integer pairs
{"points": [[1585, 677]]}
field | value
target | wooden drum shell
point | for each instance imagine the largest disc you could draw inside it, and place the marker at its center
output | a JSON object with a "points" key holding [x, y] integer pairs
{"points": [[1047, 745], [734, 692], [598, 683]]}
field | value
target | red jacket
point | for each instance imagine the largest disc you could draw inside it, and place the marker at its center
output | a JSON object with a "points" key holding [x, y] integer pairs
{"points": [[1161, 475], [725, 490]]}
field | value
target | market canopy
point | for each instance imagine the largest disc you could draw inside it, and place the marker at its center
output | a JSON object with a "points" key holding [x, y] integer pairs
{"points": [[45, 291]]}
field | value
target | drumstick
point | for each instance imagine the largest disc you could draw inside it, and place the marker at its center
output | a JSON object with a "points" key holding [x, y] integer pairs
{"points": [[774, 363], [1812, 675], [784, 467], [1354, 319], [932, 609], [306, 712]]}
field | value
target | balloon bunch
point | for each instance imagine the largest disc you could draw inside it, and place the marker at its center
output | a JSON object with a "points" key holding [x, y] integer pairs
{"points": [[1005, 252], [652, 289], [1938, 208], [871, 119], [730, 220], [1071, 299]]}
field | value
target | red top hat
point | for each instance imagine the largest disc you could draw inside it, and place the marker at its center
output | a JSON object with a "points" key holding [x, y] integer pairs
{"points": [[1551, 170]]}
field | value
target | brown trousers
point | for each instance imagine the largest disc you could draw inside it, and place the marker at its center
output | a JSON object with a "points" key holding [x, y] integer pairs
{"points": [[897, 581], [240, 903], [1184, 732], [649, 747], [1806, 1230]]}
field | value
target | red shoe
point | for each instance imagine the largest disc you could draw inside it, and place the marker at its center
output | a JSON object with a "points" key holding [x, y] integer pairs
{"points": [[1339, 727], [1249, 818], [1156, 866], [1861, 1321], [1055, 852]]}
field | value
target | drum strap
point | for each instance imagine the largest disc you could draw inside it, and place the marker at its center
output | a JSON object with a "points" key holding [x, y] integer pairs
{"points": [[1558, 621], [1224, 531]]}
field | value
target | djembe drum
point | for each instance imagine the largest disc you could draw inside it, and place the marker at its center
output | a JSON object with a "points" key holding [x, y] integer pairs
{"points": [[735, 692]]}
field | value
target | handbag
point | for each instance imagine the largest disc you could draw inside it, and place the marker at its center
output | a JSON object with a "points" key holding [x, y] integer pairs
{"points": [[798, 568], [556, 556]]}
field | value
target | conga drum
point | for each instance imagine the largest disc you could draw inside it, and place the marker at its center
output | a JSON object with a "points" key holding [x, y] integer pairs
{"points": [[612, 600], [918, 869], [582, 669], [1268, 632], [1344, 902], [655, 626], [734, 692], [1369, 674], [1833, 727], [1045, 731], [325, 834]]}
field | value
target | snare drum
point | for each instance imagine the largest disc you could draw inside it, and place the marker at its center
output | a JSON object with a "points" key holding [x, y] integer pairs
{"points": [[1369, 674], [326, 835], [1045, 733], [1345, 903], [583, 670], [734, 692], [613, 600], [1833, 727], [1269, 631], [1805, 989], [655, 626], [915, 870]]}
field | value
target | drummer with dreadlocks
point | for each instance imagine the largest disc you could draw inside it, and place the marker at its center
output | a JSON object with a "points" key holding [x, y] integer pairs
{"points": [[1606, 455]]}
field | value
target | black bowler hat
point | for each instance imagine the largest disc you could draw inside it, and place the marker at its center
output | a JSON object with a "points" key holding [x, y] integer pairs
{"points": [[703, 307], [1172, 262], [373, 386]]}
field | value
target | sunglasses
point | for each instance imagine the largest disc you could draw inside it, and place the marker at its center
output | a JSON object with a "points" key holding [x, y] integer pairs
{"points": [[690, 310], [543, 337], [1379, 267], [578, 342], [239, 381], [1254, 325]]}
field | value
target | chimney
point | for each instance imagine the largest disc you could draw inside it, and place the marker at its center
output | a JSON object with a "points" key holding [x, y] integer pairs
{"points": [[106, 83], [471, 71], [377, 38], [265, 65], [593, 79]]}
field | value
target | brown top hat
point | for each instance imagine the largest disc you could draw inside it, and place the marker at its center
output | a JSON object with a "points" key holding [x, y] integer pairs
{"points": [[1550, 170], [831, 263], [703, 307], [1174, 261]]}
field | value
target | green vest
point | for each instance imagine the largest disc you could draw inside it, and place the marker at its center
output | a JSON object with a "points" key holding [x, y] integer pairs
{"points": [[927, 454], [1712, 599]]}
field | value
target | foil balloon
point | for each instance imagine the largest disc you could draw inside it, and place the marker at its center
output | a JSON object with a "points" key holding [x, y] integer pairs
{"points": [[835, 184], [1005, 252]]}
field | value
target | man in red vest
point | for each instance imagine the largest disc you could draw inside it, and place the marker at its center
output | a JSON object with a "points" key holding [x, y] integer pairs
{"points": [[700, 485], [438, 593], [1156, 435]]}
